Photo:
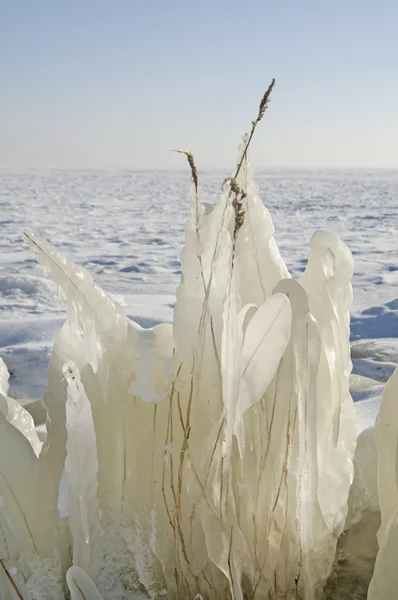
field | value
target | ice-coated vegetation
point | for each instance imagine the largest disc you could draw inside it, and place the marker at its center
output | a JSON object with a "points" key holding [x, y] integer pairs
{"points": [[212, 458]]}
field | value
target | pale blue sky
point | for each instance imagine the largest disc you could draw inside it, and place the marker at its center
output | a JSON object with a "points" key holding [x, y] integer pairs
{"points": [[119, 83]]}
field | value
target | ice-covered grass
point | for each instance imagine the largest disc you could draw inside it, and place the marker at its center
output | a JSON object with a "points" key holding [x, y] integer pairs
{"points": [[26, 335], [250, 387], [214, 457]]}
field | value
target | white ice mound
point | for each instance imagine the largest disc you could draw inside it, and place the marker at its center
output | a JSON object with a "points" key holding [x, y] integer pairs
{"points": [[384, 583], [211, 458]]}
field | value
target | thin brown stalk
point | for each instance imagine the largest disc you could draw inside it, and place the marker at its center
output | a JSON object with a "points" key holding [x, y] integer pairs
{"points": [[265, 100], [213, 338], [209, 583], [283, 480], [189, 407], [3, 536], [221, 487], [195, 179], [229, 566], [153, 449], [181, 415], [186, 430], [169, 436], [204, 485], [10, 579], [208, 502], [2, 476], [80, 590], [179, 541]]}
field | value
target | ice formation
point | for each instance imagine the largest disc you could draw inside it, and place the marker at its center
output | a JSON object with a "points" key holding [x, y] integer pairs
{"points": [[384, 583], [208, 459]]}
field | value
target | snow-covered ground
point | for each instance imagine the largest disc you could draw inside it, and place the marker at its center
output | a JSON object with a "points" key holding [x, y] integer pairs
{"points": [[126, 227]]}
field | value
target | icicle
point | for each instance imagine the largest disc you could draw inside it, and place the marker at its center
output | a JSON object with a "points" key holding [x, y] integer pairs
{"points": [[81, 466], [384, 583], [231, 362], [327, 281], [260, 262]]}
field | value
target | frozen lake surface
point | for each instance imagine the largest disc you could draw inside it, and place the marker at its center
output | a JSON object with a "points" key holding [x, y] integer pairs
{"points": [[126, 227]]}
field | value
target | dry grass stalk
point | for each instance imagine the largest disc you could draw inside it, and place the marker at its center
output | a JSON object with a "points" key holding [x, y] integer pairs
{"points": [[195, 179], [265, 100], [237, 203], [80, 589], [10, 579], [194, 171], [175, 514]]}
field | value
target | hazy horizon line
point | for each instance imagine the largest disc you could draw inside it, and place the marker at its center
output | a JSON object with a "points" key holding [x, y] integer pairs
{"points": [[182, 169]]}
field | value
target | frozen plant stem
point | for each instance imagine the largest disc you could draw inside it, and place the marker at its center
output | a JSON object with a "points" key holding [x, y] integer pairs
{"points": [[10, 579], [194, 171], [265, 100]]}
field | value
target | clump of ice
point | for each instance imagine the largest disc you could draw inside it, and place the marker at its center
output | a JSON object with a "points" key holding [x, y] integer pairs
{"points": [[211, 458]]}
